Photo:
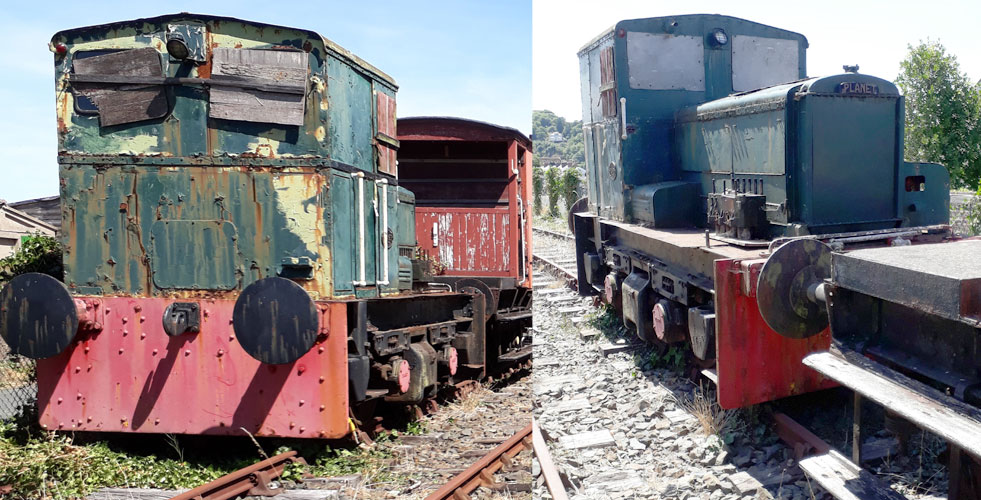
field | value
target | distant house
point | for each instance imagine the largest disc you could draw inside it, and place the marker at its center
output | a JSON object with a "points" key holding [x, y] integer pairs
{"points": [[48, 209], [555, 137], [15, 224]]}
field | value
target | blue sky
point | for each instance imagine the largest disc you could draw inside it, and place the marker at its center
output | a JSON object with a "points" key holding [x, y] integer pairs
{"points": [[455, 58], [873, 34]]}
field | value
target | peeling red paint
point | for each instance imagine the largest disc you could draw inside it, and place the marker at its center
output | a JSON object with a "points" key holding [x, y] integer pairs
{"points": [[133, 377], [756, 364]]}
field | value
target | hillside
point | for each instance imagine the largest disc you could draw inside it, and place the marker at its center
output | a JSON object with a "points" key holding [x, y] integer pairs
{"points": [[543, 123]]}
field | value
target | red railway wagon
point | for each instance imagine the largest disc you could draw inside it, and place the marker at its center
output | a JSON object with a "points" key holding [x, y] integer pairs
{"points": [[472, 182]]}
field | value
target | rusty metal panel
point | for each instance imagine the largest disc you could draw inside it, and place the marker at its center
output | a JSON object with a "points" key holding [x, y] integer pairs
{"points": [[334, 120], [756, 364], [111, 211], [282, 67], [189, 254], [466, 241], [132, 377]]}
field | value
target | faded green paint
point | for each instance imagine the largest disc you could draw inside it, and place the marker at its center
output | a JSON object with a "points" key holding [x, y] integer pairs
{"points": [[185, 205], [178, 247]]}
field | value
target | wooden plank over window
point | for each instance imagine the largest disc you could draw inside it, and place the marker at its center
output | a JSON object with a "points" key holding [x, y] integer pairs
{"points": [[281, 67], [608, 91], [385, 140], [120, 103]]}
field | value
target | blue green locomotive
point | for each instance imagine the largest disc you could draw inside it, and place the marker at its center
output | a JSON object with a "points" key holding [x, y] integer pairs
{"points": [[707, 148], [238, 252]]}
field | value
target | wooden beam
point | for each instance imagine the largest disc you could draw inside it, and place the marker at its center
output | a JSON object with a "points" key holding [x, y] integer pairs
{"points": [[928, 408]]}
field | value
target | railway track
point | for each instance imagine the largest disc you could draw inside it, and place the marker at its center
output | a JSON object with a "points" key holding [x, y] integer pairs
{"points": [[557, 258], [481, 473], [751, 467]]}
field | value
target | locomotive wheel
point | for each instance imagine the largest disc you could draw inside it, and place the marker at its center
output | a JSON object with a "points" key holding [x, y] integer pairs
{"points": [[581, 205], [275, 321], [782, 290], [38, 318], [477, 287]]}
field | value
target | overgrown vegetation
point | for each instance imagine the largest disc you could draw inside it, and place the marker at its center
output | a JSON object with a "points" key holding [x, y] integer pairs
{"points": [[973, 215], [553, 186], [562, 186], [571, 186], [606, 320], [537, 185], [41, 464], [37, 254], [671, 358], [943, 113]]}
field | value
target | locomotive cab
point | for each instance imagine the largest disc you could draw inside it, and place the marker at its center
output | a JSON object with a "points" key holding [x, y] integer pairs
{"points": [[710, 121]]}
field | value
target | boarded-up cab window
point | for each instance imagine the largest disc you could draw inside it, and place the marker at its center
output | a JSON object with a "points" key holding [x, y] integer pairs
{"points": [[658, 61], [759, 62], [278, 85], [608, 84], [385, 140], [119, 102]]}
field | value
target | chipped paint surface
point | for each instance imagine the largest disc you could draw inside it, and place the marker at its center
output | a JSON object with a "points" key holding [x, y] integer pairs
{"points": [[468, 242], [203, 383], [186, 130], [267, 186]]}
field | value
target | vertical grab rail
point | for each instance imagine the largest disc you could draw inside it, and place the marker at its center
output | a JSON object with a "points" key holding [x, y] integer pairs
{"points": [[623, 118], [361, 261], [384, 229]]}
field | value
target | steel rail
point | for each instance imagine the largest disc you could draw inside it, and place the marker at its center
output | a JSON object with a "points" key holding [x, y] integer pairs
{"points": [[553, 234], [551, 474], [256, 480], [482, 471]]}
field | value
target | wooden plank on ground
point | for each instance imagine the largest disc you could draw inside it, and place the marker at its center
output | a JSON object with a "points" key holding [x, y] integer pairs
{"points": [[551, 473], [590, 439], [133, 494], [845, 480], [611, 348], [924, 406]]}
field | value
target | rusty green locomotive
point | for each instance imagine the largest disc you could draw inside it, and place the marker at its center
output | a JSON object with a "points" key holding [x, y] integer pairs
{"points": [[238, 252]]}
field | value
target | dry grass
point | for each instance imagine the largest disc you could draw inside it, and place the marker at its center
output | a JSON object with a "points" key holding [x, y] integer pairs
{"points": [[712, 419]]}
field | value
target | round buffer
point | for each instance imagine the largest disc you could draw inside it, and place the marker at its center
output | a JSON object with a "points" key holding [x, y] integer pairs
{"points": [[38, 318], [790, 289], [275, 321]]}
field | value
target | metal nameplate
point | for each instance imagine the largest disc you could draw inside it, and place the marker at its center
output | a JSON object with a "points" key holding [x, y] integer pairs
{"points": [[857, 88]]}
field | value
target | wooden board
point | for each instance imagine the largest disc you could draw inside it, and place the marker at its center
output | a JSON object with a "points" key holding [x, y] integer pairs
{"points": [[282, 67], [924, 406], [551, 473], [844, 480], [119, 104]]}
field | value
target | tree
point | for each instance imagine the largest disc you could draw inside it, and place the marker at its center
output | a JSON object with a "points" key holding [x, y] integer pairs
{"points": [[571, 187], [37, 254], [537, 185], [553, 185], [571, 151], [942, 108]]}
